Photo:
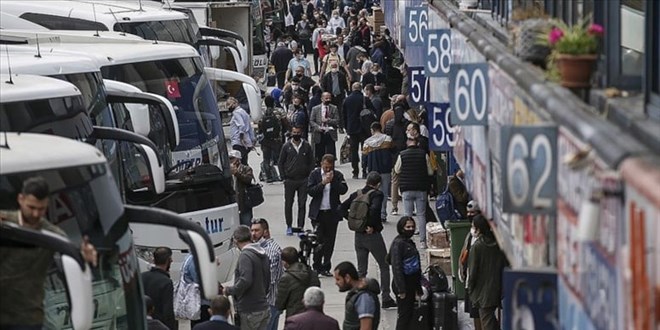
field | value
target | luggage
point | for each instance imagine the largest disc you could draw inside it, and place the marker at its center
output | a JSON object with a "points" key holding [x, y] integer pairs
{"points": [[421, 315], [445, 311]]}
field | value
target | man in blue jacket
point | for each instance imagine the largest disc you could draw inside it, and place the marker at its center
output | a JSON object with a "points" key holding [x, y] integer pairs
{"points": [[352, 107]]}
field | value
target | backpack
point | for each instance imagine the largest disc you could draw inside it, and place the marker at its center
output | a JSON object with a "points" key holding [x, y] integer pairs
{"points": [[358, 212], [444, 207], [271, 126], [367, 117]]}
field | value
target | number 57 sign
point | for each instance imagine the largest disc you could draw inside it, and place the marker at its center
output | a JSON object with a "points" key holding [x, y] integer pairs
{"points": [[529, 169]]}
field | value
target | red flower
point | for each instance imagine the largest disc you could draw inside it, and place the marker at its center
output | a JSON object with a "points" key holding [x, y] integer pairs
{"points": [[595, 29], [555, 35]]}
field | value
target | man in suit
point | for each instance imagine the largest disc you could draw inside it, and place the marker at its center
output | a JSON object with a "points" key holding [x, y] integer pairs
{"points": [[336, 84], [313, 316], [351, 108], [324, 122], [325, 185], [158, 286], [220, 308]]}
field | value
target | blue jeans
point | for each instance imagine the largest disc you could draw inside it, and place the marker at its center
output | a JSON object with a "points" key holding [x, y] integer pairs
{"points": [[245, 217], [274, 318], [385, 184], [416, 200]]}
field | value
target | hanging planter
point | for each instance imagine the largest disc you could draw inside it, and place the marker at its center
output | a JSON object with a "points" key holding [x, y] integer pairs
{"points": [[575, 70]]}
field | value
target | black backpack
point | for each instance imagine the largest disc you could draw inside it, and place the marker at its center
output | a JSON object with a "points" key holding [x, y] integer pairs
{"points": [[367, 117], [271, 126], [438, 279]]}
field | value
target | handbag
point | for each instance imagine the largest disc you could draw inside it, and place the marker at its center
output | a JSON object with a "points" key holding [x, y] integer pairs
{"points": [[187, 299], [345, 151], [254, 195]]}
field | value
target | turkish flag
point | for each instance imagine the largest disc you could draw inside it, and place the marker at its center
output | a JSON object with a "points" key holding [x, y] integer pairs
{"points": [[172, 87]]}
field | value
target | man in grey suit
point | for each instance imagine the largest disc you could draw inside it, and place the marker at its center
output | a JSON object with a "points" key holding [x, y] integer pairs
{"points": [[324, 121]]}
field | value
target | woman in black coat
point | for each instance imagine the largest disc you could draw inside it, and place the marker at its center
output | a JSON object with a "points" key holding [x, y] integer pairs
{"points": [[407, 271]]}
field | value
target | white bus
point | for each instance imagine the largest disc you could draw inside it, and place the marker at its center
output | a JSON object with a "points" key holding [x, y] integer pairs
{"points": [[85, 201]]}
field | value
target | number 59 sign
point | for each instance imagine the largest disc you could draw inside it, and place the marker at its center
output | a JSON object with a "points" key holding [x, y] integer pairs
{"points": [[529, 169]]}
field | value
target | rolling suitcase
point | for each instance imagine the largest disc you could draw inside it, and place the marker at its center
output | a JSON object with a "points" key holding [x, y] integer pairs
{"points": [[421, 315], [445, 311]]}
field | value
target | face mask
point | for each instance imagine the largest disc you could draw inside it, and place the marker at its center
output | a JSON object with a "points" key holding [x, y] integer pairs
{"points": [[326, 102], [335, 70], [299, 75], [299, 57], [410, 136], [335, 16], [473, 232], [296, 137], [295, 87], [408, 233]]}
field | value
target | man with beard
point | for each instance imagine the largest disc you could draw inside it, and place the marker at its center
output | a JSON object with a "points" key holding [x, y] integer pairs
{"points": [[362, 309], [261, 234], [324, 121], [158, 286]]}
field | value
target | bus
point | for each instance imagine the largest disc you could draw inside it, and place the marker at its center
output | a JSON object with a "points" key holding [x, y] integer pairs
{"points": [[86, 201]]}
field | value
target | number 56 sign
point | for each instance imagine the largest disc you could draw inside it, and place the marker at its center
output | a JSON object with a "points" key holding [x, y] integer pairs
{"points": [[529, 169]]}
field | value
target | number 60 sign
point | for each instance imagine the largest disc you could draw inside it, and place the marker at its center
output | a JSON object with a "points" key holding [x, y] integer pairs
{"points": [[529, 169]]}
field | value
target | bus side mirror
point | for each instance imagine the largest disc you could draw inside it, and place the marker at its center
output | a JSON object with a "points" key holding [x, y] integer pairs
{"points": [[156, 180]]}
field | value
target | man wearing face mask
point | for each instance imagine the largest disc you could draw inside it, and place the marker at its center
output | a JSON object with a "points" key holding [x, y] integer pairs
{"points": [[306, 82], [332, 58], [336, 23], [294, 88], [324, 123], [336, 84], [158, 286], [297, 61], [297, 114], [241, 131], [325, 185], [295, 163]]}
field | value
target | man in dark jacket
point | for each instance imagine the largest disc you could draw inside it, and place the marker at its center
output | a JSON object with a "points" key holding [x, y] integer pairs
{"points": [[398, 133], [313, 317], [378, 148], [352, 107], [152, 323], [336, 84], [251, 281], [376, 101], [459, 193], [280, 58], [411, 165], [296, 162], [296, 279], [325, 185], [220, 309], [243, 176], [158, 286], [362, 309], [371, 239]]}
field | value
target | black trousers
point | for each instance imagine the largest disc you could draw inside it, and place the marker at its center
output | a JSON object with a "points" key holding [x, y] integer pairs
{"points": [[326, 146], [244, 153], [317, 60], [291, 188], [406, 306], [307, 46], [281, 76], [327, 223], [356, 140], [338, 101]]}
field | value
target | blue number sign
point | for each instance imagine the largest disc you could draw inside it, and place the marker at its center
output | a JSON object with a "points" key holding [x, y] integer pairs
{"points": [[441, 132], [468, 94], [418, 86], [438, 53], [530, 297], [529, 169], [416, 26]]}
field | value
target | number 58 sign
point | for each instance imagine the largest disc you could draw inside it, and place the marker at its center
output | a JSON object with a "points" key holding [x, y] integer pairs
{"points": [[529, 169]]}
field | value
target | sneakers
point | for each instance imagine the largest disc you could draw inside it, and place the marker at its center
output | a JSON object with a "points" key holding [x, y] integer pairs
{"points": [[289, 231], [395, 212], [325, 273], [389, 303]]}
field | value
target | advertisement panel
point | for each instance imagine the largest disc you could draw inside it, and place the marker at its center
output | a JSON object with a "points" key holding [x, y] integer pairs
{"points": [[531, 297]]}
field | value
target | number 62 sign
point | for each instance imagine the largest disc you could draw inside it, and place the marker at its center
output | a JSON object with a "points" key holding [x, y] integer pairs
{"points": [[529, 169]]}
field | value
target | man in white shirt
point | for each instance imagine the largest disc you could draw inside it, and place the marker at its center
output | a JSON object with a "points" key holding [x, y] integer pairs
{"points": [[240, 128]]}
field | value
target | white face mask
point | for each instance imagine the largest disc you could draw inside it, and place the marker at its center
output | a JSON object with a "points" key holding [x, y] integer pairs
{"points": [[335, 70], [473, 232], [410, 136]]}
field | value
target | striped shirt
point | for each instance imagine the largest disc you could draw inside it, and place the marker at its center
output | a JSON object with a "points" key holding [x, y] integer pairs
{"points": [[274, 253]]}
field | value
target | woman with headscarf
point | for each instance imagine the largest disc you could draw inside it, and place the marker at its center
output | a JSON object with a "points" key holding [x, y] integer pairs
{"points": [[406, 271]]}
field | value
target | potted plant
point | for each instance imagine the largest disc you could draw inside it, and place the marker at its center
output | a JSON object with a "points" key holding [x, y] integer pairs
{"points": [[574, 50]]}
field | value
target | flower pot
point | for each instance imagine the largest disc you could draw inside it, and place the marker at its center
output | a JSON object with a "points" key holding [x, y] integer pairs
{"points": [[575, 70]]}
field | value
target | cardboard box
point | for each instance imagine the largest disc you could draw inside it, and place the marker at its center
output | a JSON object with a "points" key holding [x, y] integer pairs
{"points": [[441, 257], [436, 236]]}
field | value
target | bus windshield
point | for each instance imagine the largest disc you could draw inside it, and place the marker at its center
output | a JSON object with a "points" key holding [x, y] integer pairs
{"points": [[184, 83], [172, 30], [85, 201]]}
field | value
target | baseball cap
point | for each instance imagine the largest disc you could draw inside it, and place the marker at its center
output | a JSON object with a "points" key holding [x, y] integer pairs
{"points": [[235, 154]]}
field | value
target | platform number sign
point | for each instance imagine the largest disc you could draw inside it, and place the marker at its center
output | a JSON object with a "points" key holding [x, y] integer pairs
{"points": [[529, 169], [468, 93], [416, 25], [442, 133], [418, 86], [438, 53]]}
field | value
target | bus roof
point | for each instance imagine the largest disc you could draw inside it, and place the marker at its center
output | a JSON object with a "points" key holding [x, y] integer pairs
{"points": [[23, 60], [28, 87], [28, 152], [105, 13], [110, 48]]}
